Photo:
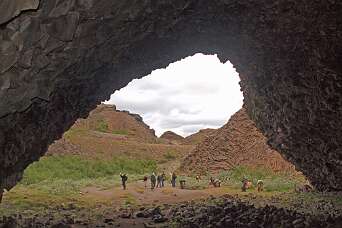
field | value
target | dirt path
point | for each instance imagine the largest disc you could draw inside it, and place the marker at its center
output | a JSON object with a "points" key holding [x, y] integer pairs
{"points": [[136, 193]]}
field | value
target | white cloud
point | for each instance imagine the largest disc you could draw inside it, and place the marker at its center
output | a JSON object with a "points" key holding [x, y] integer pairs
{"points": [[194, 93]]}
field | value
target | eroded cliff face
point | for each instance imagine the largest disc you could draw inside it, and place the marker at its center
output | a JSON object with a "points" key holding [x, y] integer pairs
{"points": [[237, 143], [59, 61]]}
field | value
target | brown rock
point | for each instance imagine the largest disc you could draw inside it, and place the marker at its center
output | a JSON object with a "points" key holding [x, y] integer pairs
{"points": [[238, 142]]}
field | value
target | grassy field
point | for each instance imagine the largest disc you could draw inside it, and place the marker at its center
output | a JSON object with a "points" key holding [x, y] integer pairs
{"points": [[68, 174], [59, 180], [55, 180]]}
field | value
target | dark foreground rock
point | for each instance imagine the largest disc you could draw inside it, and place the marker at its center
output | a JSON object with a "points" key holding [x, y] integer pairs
{"points": [[230, 212], [219, 212]]}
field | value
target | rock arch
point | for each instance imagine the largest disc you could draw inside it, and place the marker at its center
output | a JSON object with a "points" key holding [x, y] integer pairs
{"points": [[60, 58]]}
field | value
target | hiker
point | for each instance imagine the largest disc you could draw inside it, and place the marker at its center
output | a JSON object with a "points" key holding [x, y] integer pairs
{"points": [[124, 178], [145, 181], [173, 179], [260, 185], [245, 184], [153, 181], [198, 178], [159, 180], [215, 182], [163, 178]]}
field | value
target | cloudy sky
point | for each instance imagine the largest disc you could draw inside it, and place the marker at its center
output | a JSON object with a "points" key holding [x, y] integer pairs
{"points": [[191, 94]]}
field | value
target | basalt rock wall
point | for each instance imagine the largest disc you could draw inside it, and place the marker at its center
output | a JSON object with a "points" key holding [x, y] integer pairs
{"points": [[60, 58], [237, 143]]}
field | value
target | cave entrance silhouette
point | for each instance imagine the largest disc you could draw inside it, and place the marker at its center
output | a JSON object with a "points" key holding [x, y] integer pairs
{"points": [[185, 97], [64, 59]]}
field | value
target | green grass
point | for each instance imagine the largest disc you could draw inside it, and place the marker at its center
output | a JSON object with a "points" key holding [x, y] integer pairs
{"points": [[101, 126], [75, 168], [170, 155], [280, 182], [58, 179]]}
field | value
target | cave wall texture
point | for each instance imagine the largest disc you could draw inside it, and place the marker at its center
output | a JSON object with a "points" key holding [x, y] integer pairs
{"points": [[60, 58]]}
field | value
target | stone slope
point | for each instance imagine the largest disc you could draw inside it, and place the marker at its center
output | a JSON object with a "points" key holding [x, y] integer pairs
{"points": [[198, 136], [107, 119], [108, 132], [236, 143]]}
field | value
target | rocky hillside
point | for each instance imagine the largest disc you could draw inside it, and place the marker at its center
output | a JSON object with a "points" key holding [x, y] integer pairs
{"points": [[107, 119], [171, 138], [198, 137], [109, 132], [236, 143]]}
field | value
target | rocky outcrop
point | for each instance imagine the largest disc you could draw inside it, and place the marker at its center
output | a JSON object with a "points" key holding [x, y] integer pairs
{"points": [[172, 137], [59, 61], [108, 132], [237, 143], [198, 137], [107, 119], [14, 7]]}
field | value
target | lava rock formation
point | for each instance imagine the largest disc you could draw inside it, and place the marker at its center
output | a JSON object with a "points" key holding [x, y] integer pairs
{"points": [[60, 58]]}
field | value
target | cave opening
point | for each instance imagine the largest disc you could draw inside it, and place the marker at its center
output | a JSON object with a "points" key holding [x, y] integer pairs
{"points": [[194, 93], [60, 59]]}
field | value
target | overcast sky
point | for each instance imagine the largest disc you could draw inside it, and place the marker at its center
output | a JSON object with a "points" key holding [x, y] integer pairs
{"points": [[191, 94]]}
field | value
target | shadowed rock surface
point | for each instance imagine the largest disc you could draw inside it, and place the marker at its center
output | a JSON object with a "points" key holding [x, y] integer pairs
{"points": [[237, 143], [230, 212], [58, 62]]}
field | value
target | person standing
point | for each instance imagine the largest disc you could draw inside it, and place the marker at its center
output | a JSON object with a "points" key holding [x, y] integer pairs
{"points": [[124, 179], [163, 178], [173, 179], [153, 181], [260, 185], [244, 184], [159, 181], [145, 181]]}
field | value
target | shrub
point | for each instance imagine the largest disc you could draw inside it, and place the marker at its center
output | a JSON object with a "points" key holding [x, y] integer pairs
{"points": [[101, 126], [170, 155]]}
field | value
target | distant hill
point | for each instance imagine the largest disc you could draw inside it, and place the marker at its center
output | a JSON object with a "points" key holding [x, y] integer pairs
{"points": [[171, 138], [108, 132], [107, 119], [238, 142]]}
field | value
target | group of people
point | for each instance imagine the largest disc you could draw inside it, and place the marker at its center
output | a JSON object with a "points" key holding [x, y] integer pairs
{"points": [[246, 184], [157, 181]]}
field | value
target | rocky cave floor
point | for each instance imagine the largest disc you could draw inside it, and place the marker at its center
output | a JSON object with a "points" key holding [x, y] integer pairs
{"points": [[224, 211]]}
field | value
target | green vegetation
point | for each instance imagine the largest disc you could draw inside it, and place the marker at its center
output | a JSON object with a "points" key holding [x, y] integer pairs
{"points": [[170, 155], [280, 182], [75, 168], [72, 132], [101, 126], [120, 132]]}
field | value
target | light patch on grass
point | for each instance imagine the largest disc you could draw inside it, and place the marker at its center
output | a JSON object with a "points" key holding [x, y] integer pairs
{"points": [[120, 132], [280, 182], [170, 155], [101, 126]]}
